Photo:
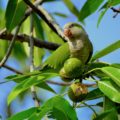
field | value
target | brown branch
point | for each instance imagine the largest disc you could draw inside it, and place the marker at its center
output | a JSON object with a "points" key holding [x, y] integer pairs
{"points": [[59, 83], [9, 50], [12, 42], [25, 38], [115, 10], [12, 69], [47, 18], [67, 83], [29, 10]]}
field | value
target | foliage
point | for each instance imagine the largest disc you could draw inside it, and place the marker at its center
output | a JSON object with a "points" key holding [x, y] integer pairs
{"points": [[104, 76]]}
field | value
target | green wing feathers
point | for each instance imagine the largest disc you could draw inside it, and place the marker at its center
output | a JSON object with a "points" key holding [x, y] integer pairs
{"points": [[58, 57]]}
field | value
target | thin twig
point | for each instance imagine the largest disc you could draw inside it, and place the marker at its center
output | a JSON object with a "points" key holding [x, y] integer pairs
{"points": [[31, 44], [10, 47], [33, 90], [16, 32], [12, 42], [47, 18], [67, 83], [5, 82], [29, 10], [25, 38], [59, 83], [115, 10], [12, 69], [90, 108], [80, 106]]}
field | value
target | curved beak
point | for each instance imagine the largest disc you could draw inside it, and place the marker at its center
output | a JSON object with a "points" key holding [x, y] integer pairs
{"points": [[67, 33]]}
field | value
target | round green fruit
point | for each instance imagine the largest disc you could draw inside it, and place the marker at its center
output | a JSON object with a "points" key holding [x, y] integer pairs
{"points": [[64, 76], [73, 67], [77, 92]]}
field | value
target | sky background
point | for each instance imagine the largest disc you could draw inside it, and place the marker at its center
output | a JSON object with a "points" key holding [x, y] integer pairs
{"points": [[107, 33]]}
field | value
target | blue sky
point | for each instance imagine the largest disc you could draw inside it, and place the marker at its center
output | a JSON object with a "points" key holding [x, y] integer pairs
{"points": [[107, 33]]}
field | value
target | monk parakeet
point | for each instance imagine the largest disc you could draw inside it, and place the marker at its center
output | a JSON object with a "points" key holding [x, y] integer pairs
{"points": [[79, 44], [70, 57]]}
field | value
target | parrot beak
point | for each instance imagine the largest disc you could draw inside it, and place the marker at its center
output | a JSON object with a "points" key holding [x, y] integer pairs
{"points": [[67, 33]]}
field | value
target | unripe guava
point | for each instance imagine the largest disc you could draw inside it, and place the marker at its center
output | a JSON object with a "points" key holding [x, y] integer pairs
{"points": [[77, 92], [73, 67], [64, 76]]}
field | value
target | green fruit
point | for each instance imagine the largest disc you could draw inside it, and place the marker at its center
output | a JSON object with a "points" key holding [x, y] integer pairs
{"points": [[64, 76], [77, 92], [73, 67]]}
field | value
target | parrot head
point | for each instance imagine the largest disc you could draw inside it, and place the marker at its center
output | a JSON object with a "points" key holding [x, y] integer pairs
{"points": [[73, 31]]}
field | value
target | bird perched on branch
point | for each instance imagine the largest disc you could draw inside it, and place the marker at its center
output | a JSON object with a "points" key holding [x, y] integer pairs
{"points": [[69, 59], [80, 51], [79, 44]]}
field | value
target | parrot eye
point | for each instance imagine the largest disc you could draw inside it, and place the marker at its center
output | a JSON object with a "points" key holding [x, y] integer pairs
{"points": [[71, 25]]}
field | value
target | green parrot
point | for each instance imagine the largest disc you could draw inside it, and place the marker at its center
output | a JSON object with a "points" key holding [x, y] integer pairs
{"points": [[79, 44], [69, 57]]}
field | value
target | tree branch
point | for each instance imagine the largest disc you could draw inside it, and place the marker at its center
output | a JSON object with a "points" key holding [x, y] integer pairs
{"points": [[31, 54], [115, 10], [10, 46], [16, 32], [59, 83], [67, 83], [29, 10], [25, 38], [47, 18], [14, 37], [12, 69]]}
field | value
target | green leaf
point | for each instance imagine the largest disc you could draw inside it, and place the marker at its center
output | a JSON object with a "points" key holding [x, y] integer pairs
{"points": [[20, 78], [45, 86], [89, 8], [110, 3], [94, 65], [107, 50], [63, 107], [114, 2], [34, 116], [100, 104], [26, 84], [3, 48], [108, 104], [39, 54], [38, 27], [24, 114], [39, 33], [60, 14], [59, 114], [14, 13], [19, 52], [101, 16], [26, 30], [2, 19], [103, 115], [71, 7], [51, 36], [58, 57], [93, 68], [110, 89], [113, 73], [116, 65], [94, 94]]}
